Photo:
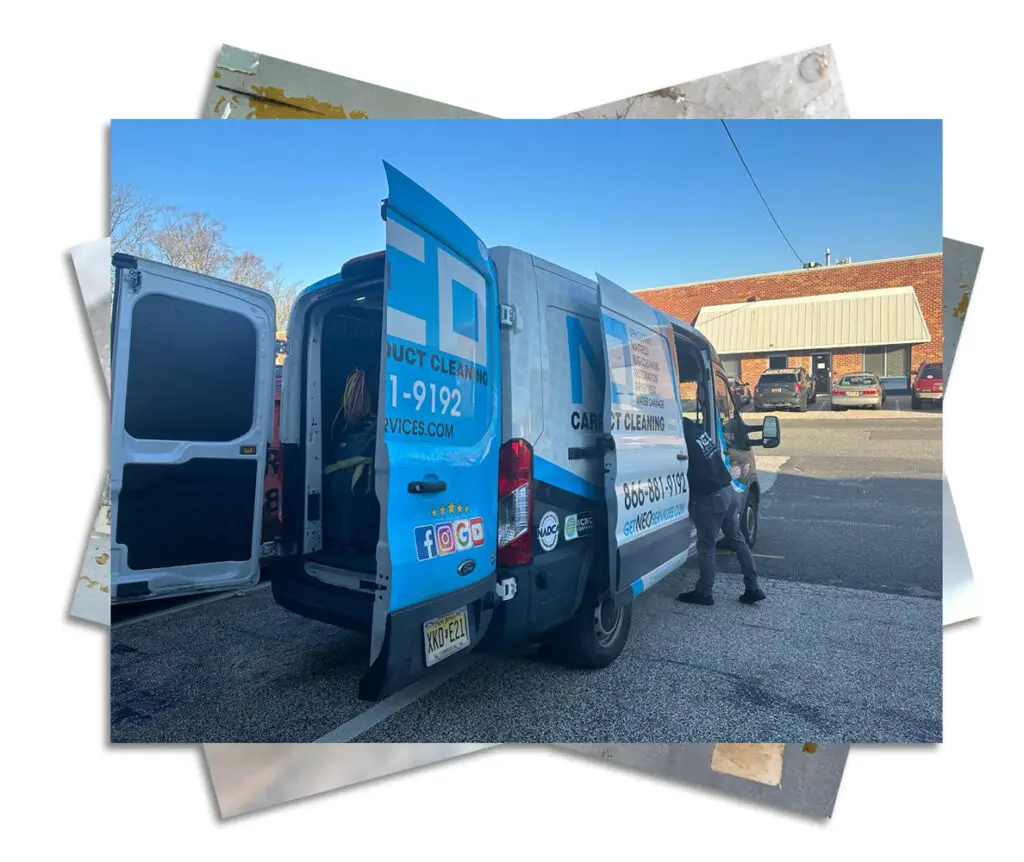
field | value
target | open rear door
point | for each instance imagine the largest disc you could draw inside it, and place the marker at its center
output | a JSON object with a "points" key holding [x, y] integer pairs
{"points": [[192, 400], [437, 449], [645, 463]]}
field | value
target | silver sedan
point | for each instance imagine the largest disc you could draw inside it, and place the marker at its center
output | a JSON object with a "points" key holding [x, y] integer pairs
{"points": [[858, 390]]}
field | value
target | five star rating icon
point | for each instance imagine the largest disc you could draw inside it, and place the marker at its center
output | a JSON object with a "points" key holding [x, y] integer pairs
{"points": [[449, 509]]}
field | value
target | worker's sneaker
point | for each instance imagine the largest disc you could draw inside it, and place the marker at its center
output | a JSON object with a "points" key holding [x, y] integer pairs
{"points": [[695, 598], [751, 596]]}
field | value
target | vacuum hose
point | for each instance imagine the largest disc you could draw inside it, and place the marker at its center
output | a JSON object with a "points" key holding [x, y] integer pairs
{"points": [[355, 402]]}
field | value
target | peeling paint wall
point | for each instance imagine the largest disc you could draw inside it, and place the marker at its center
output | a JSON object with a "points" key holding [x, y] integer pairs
{"points": [[960, 263], [248, 86], [800, 778], [802, 85]]}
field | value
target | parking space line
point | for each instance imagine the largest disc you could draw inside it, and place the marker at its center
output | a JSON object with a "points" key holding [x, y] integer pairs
{"points": [[189, 605], [370, 718]]}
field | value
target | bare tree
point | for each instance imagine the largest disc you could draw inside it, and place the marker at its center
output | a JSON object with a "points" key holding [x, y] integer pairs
{"points": [[250, 269], [132, 219], [193, 241]]}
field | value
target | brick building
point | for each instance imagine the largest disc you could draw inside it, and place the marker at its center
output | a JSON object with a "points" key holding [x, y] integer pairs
{"points": [[882, 316]]}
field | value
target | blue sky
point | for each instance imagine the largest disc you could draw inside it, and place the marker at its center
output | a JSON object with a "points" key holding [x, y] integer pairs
{"points": [[644, 202]]}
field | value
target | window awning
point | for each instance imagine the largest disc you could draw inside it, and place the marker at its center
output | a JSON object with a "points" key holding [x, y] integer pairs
{"points": [[863, 318]]}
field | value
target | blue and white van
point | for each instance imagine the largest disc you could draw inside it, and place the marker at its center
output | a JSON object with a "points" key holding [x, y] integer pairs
{"points": [[479, 447]]}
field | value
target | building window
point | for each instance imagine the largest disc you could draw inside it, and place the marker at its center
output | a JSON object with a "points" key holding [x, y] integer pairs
{"points": [[731, 367], [892, 361], [778, 362]]}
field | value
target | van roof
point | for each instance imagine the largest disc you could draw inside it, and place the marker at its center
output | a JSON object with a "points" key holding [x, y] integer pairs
{"points": [[362, 265]]}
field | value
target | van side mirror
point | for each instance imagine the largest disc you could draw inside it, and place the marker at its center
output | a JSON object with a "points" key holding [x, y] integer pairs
{"points": [[771, 432]]}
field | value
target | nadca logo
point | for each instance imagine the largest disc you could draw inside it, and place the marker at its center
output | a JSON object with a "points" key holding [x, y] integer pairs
{"points": [[547, 531]]}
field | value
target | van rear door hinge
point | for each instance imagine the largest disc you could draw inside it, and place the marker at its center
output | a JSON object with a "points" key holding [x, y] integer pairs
{"points": [[506, 589], [508, 317]]}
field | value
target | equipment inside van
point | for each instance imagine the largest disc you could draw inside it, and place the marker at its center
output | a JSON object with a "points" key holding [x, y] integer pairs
{"points": [[479, 447]]}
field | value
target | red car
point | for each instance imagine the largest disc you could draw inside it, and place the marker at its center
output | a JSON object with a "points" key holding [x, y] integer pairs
{"points": [[926, 385]]}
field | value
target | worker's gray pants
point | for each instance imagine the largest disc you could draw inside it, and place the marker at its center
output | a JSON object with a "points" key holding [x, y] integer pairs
{"points": [[719, 511]]}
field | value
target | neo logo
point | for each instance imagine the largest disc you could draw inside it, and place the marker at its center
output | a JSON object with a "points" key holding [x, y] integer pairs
{"points": [[581, 348], [620, 360], [461, 294]]}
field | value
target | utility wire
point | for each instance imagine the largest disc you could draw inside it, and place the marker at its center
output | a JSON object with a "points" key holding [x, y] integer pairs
{"points": [[752, 180]]}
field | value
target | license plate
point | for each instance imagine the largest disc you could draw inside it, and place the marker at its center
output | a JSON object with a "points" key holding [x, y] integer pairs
{"points": [[444, 636], [776, 390], [854, 394]]}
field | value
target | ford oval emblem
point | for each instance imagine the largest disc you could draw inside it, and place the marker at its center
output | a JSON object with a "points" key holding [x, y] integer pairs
{"points": [[467, 567]]}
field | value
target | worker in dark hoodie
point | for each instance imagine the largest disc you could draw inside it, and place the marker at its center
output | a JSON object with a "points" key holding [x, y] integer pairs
{"points": [[714, 506]]}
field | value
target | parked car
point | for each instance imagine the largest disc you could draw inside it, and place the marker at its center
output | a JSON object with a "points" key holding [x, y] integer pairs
{"points": [[741, 391], [926, 385], [858, 390], [784, 388]]}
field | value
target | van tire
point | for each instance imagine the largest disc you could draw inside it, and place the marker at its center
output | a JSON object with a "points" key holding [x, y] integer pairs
{"points": [[578, 643], [751, 515]]}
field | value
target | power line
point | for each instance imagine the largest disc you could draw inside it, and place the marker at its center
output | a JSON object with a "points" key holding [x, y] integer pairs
{"points": [[752, 180]]}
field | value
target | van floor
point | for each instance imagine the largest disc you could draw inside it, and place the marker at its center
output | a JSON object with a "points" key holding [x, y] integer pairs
{"points": [[353, 561]]}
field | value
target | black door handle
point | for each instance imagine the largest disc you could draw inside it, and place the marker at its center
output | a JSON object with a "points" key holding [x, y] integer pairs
{"points": [[682, 456], [427, 487]]}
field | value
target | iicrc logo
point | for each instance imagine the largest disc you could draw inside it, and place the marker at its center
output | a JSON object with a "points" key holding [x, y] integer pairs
{"points": [[570, 527], [547, 531]]}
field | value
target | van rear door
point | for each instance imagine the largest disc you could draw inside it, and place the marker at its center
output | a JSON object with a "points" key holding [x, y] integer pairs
{"points": [[192, 401], [437, 447], [645, 461]]}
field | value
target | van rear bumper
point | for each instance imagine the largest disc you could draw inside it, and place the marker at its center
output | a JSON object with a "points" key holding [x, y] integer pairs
{"points": [[402, 658], [297, 592]]}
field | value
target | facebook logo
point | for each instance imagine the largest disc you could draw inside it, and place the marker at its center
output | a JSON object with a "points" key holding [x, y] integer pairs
{"points": [[426, 546]]}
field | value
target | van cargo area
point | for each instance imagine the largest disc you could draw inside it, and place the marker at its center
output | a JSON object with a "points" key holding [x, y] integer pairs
{"points": [[342, 512]]}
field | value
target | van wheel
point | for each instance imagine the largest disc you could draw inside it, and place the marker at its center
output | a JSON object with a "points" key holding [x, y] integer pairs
{"points": [[749, 519], [595, 636]]}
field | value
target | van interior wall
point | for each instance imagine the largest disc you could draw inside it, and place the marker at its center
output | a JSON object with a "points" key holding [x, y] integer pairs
{"points": [[350, 375]]}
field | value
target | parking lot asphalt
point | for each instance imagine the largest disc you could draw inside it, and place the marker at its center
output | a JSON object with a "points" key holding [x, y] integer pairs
{"points": [[847, 647]]}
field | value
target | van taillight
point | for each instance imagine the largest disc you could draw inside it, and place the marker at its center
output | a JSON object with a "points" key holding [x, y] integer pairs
{"points": [[515, 503], [798, 386]]}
